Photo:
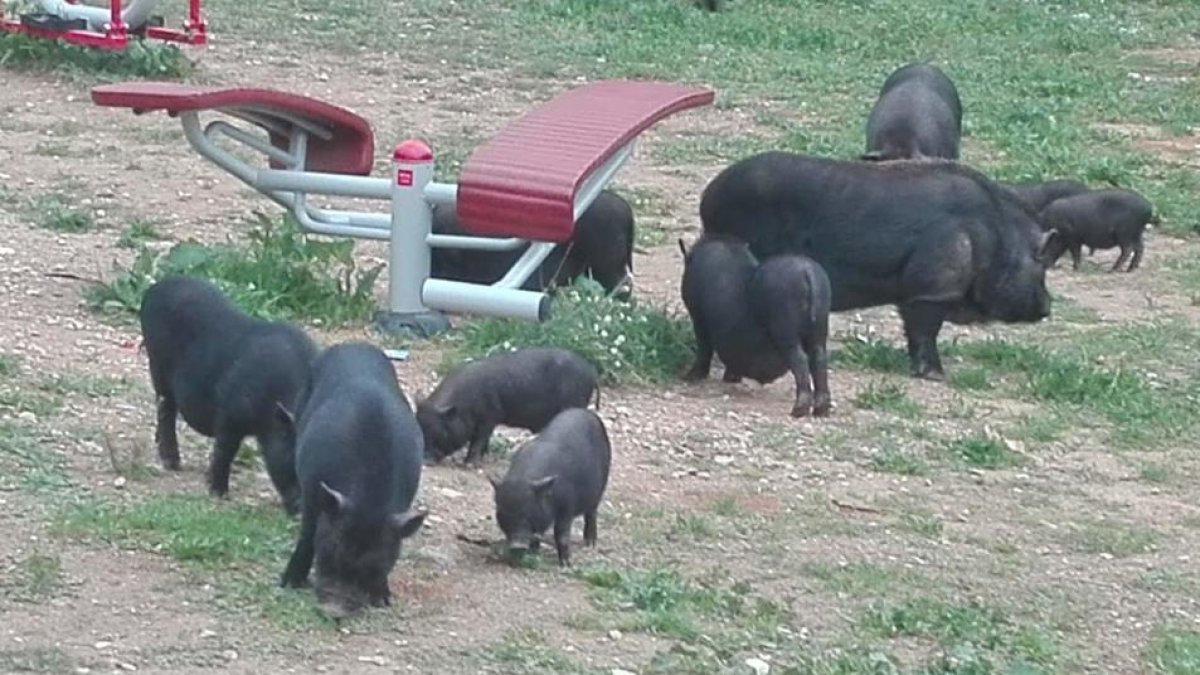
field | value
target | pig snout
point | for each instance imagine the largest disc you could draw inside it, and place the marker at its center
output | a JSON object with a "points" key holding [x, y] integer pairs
{"points": [[339, 601]]}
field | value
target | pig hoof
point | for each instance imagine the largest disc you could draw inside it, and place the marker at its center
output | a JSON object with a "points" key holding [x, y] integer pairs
{"points": [[694, 375], [822, 408], [171, 464], [731, 378], [801, 410], [285, 582]]}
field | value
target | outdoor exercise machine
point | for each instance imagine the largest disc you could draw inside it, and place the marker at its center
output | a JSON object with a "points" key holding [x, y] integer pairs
{"points": [[104, 28], [526, 186]]}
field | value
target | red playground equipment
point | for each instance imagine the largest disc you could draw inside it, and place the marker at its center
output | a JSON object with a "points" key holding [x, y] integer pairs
{"points": [[104, 28]]}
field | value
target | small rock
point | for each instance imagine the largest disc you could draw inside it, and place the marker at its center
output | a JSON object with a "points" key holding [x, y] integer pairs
{"points": [[759, 666], [206, 633], [452, 494], [614, 635], [374, 660], [622, 671], [127, 666], [102, 645], [119, 482], [26, 416], [723, 460], [229, 655]]}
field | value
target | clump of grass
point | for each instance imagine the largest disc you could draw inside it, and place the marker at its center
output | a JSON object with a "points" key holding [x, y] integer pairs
{"points": [[140, 60], [37, 577], [973, 638], [528, 651], [1114, 539], [280, 274], [1174, 652], [54, 213], [892, 459], [138, 233], [869, 353], [627, 342], [984, 452], [26, 462], [969, 379], [887, 396]]}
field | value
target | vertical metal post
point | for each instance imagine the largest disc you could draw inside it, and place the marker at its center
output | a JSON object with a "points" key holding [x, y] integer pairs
{"points": [[194, 27], [412, 219], [116, 28]]}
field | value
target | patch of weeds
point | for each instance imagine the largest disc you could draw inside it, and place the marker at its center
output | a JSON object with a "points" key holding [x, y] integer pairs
{"points": [[36, 578], [54, 213], [970, 379], [628, 342], [973, 638], [665, 603], [281, 274], [83, 384], [35, 659], [9, 365], [775, 437], [891, 459], [869, 353], [142, 59], [1156, 473], [137, 233], [887, 396], [984, 452], [1042, 427], [528, 651], [190, 528], [130, 460], [921, 522], [693, 526], [727, 507], [1113, 539], [1174, 652], [26, 462], [858, 579]]}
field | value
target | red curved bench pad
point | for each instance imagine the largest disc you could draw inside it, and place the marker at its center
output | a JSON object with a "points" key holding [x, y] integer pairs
{"points": [[351, 150], [524, 180]]}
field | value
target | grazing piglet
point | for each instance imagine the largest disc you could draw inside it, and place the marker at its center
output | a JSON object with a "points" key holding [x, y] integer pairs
{"points": [[554, 478], [1038, 195], [1099, 219], [524, 389], [763, 320], [918, 114], [224, 372], [358, 459]]}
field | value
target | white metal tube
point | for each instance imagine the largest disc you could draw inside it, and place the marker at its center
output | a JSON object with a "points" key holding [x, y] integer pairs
{"points": [[323, 183], [315, 226], [509, 303], [441, 194], [474, 243], [525, 265], [258, 143], [412, 221], [603, 175], [134, 14]]}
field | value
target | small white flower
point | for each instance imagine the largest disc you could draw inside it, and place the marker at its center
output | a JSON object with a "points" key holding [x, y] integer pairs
{"points": [[620, 340]]}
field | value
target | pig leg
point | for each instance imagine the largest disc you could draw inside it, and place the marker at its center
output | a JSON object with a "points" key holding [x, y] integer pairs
{"points": [[281, 468], [380, 594], [1125, 251], [1138, 249], [731, 376], [479, 445], [798, 364], [225, 448], [922, 323], [296, 573], [589, 528], [704, 354], [818, 364], [562, 539], [1076, 256], [164, 433]]}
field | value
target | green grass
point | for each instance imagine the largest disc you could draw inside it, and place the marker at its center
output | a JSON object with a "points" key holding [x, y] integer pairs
{"points": [[36, 578], [280, 273], [55, 213], [528, 651], [860, 579], [627, 342], [27, 462], [1156, 473], [972, 637], [871, 353], [983, 452], [137, 233], [891, 459], [1113, 539], [889, 397], [140, 60], [1174, 652], [36, 660]]}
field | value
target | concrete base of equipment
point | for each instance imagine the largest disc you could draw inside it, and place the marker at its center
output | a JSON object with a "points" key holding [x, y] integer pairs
{"points": [[415, 325]]}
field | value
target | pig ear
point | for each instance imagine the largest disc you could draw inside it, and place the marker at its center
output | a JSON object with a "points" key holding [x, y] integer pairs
{"points": [[332, 501], [444, 410], [1048, 238], [542, 485], [406, 524]]}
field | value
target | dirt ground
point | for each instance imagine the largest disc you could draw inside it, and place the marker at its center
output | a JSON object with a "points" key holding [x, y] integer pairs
{"points": [[804, 490]]}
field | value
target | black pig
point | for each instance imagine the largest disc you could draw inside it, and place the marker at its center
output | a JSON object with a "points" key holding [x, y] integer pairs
{"points": [[601, 247], [1038, 195], [554, 478], [763, 320], [224, 372], [918, 114], [1100, 219], [358, 459], [524, 389], [933, 237]]}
